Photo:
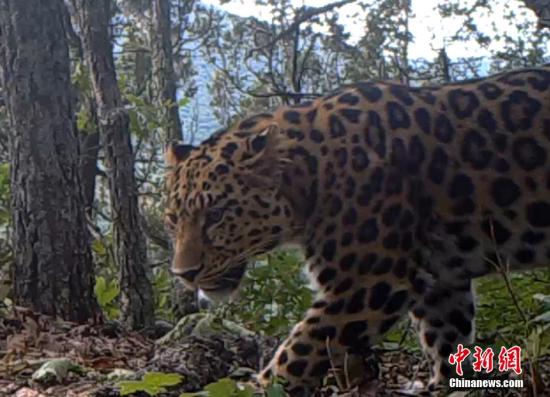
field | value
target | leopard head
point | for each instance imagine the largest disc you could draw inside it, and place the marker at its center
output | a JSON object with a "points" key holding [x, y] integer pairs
{"points": [[225, 206]]}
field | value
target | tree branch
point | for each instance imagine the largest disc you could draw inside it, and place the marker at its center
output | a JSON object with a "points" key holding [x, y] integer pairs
{"points": [[308, 14]]}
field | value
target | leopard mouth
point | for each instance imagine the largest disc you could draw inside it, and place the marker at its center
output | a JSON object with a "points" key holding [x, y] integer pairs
{"points": [[217, 295], [226, 285]]}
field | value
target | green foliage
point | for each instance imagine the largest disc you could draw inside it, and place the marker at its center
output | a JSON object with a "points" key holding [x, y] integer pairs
{"points": [[82, 83], [538, 341], [6, 254], [99, 247], [4, 192], [275, 390], [222, 388], [543, 318], [494, 299], [401, 336], [81, 78], [522, 297], [106, 292], [153, 383], [144, 116], [274, 295], [106, 287], [229, 388], [498, 320], [162, 284], [147, 119]]}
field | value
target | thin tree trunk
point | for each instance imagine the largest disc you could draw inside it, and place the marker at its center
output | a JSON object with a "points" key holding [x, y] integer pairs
{"points": [[444, 60], [53, 269], [136, 291], [403, 63], [164, 80], [163, 69], [90, 145]]}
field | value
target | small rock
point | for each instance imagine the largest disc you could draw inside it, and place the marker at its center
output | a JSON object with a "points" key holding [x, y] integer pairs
{"points": [[121, 374], [55, 370]]}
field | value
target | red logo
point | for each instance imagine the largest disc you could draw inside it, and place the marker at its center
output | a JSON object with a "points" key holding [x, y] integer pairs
{"points": [[509, 359], [456, 359], [483, 359]]}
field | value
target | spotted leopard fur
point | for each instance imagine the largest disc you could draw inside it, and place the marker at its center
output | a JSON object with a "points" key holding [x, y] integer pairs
{"points": [[399, 196]]}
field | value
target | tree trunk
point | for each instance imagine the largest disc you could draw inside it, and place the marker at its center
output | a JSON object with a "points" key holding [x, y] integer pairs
{"points": [[53, 270], [164, 79], [164, 89], [136, 291]]}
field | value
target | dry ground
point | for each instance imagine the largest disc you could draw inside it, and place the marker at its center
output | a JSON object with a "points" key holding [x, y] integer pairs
{"points": [[28, 340]]}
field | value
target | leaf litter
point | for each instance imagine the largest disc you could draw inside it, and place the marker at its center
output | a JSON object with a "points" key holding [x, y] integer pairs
{"points": [[41, 356]]}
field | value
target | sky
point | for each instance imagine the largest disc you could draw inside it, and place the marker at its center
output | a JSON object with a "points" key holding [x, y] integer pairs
{"points": [[428, 29]]}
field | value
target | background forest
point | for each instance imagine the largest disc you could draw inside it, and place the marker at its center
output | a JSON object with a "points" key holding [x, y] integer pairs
{"points": [[115, 80]]}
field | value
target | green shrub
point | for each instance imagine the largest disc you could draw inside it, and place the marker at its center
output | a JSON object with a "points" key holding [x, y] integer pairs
{"points": [[106, 292], [274, 295], [153, 383]]}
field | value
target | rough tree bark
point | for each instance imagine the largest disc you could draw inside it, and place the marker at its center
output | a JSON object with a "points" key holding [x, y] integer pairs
{"points": [[136, 292], [53, 270], [164, 79]]}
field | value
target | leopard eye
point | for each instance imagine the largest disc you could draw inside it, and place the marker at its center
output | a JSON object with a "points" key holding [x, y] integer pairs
{"points": [[170, 222], [172, 218], [213, 215]]}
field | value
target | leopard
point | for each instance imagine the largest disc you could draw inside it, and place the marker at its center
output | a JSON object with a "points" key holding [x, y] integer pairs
{"points": [[399, 197]]}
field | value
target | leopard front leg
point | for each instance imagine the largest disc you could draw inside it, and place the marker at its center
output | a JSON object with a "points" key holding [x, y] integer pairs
{"points": [[302, 359], [350, 316]]}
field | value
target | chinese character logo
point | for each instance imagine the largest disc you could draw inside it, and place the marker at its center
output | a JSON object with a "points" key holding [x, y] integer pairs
{"points": [[483, 359], [457, 358], [509, 359]]}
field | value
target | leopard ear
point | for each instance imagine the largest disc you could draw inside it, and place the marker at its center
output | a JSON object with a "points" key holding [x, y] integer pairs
{"points": [[265, 157], [177, 151]]}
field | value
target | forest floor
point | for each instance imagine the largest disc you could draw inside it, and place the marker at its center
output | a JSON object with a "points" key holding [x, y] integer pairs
{"points": [[43, 357]]}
